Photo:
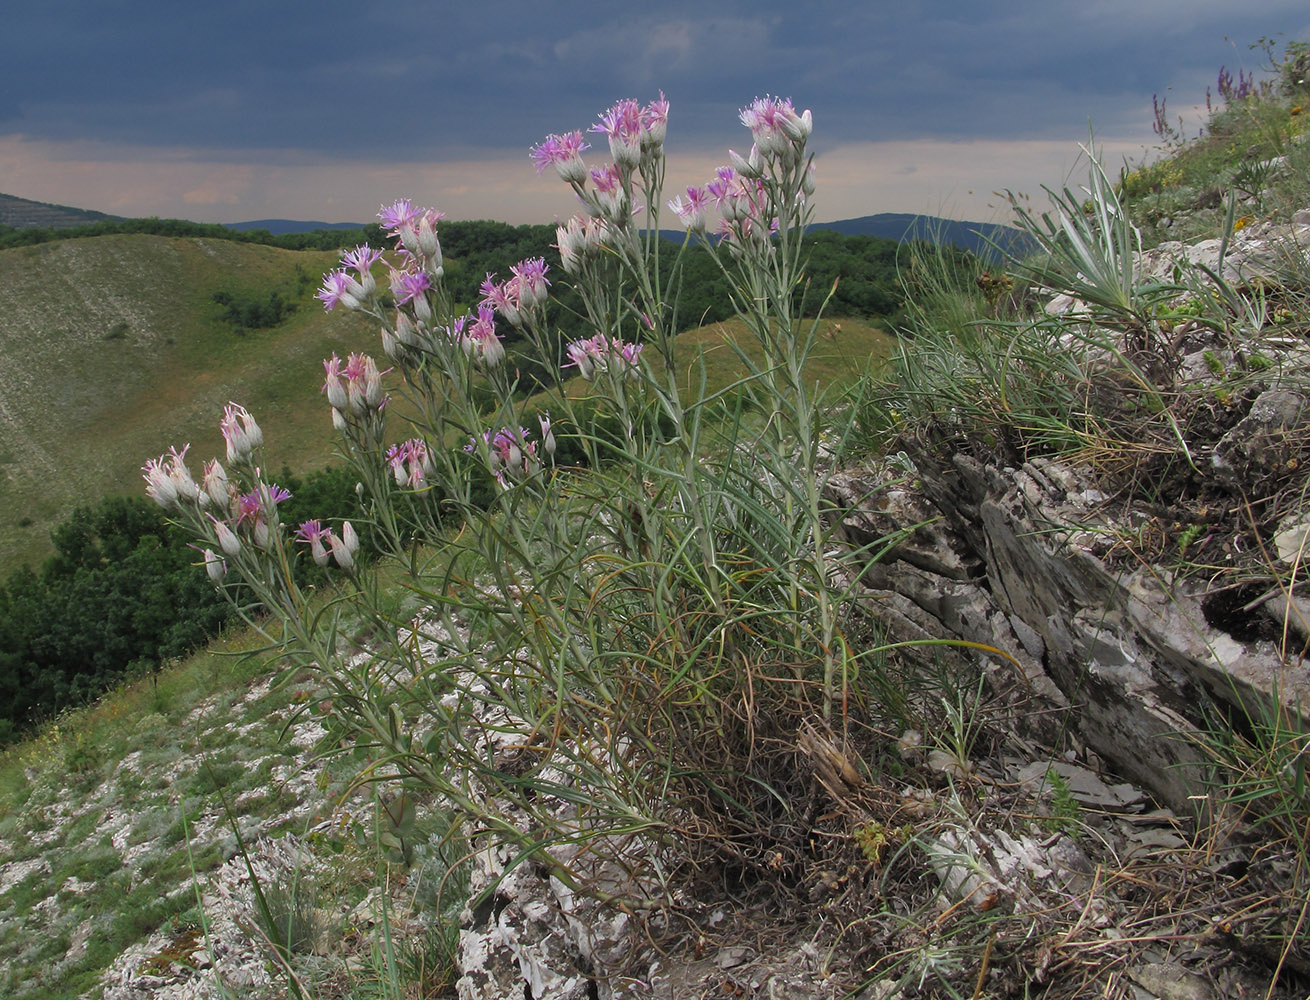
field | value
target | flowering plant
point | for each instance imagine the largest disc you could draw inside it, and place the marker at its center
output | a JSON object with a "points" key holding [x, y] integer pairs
{"points": [[605, 657]]}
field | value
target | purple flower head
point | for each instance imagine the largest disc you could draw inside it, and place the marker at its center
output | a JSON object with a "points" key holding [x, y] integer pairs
{"points": [[564, 153], [411, 463], [455, 332], [363, 384], [248, 506], [398, 215], [313, 534], [474, 444], [600, 354], [361, 259], [309, 530], [260, 502], [340, 287], [607, 179], [406, 286], [484, 326]]}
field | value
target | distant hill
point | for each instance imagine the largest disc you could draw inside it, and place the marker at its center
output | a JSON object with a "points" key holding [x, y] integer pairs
{"points": [[146, 359], [986, 239], [280, 227], [982, 238], [978, 237], [20, 213]]}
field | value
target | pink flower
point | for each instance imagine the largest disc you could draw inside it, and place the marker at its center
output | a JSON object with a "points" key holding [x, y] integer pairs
{"points": [[334, 385], [247, 506], [159, 484], [564, 153], [411, 463], [260, 502], [240, 432], [214, 483], [601, 354], [168, 480], [655, 120], [532, 281], [692, 210], [776, 127], [579, 239], [610, 199], [622, 124], [481, 341], [363, 383], [503, 297]]}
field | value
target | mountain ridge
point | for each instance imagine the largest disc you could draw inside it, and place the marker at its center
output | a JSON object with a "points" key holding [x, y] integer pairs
{"points": [[983, 238]]}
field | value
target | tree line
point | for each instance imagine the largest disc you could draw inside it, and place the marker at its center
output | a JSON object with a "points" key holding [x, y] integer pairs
{"points": [[122, 593], [865, 265]]}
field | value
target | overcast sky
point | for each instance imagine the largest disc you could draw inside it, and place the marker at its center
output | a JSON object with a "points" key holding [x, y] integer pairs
{"points": [[238, 110]]}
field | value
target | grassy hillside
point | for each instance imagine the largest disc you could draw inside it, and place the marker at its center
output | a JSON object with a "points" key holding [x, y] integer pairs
{"points": [[21, 213], [115, 348]]}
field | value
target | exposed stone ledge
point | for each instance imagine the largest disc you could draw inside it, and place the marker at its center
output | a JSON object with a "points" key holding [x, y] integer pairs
{"points": [[1125, 662]]}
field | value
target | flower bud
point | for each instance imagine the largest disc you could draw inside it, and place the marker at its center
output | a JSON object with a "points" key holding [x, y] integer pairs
{"points": [[807, 181], [215, 566], [345, 559], [409, 238], [797, 127], [547, 435], [748, 168], [215, 483], [406, 331], [227, 539], [428, 245]]}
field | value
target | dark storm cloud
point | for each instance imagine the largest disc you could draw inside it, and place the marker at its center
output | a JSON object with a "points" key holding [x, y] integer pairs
{"points": [[410, 80]]}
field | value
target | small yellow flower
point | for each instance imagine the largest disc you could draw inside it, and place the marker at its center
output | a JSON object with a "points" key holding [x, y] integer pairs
{"points": [[1242, 223]]}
